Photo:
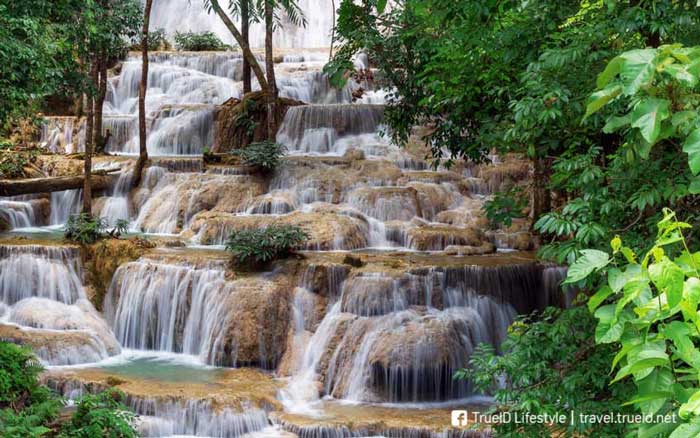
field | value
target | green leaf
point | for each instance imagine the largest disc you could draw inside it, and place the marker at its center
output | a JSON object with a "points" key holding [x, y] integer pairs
{"points": [[611, 70], [381, 6], [668, 277], [643, 363], [679, 333], [589, 261], [686, 431], [598, 99], [691, 146], [655, 390], [598, 298], [610, 327], [648, 115], [691, 407], [637, 70], [694, 187]]}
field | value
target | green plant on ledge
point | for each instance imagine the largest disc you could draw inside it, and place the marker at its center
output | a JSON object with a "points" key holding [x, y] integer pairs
{"points": [[86, 229], [199, 42], [264, 155], [257, 247]]}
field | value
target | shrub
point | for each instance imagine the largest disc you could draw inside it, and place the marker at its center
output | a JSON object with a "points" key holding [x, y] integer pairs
{"points": [[28, 409], [505, 206], [259, 246], [551, 364], [12, 164], [199, 41], [264, 155], [100, 415], [86, 229], [157, 40]]}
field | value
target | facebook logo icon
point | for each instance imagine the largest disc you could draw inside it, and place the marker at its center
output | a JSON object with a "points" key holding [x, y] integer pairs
{"points": [[459, 418]]}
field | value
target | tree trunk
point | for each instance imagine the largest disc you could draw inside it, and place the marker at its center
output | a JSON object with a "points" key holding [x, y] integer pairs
{"points": [[245, 25], [99, 138], [99, 180], [90, 114], [245, 47], [271, 95], [541, 199], [143, 86], [332, 31]]}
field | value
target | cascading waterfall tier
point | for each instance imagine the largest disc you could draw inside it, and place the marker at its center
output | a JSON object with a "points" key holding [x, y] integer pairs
{"points": [[46, 306], [400, 337], [196, 310]]}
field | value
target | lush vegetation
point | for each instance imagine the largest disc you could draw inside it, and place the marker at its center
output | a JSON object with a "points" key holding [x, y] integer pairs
{"points": [[199, 42], [86, 229], [552, 366], [257, 247], [30, 410], [647, 310], [265, 155]]}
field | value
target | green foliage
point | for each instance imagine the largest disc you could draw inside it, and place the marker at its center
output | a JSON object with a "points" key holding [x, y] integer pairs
{"points": [[86, 229], [505, 206], [265, 155], [45, 46], [199, 42], [157, 40], [257, 247], [550, 364], [657, 97], [28, 409], [647, 309], [12, 164], [100, 415], [246, 119]]}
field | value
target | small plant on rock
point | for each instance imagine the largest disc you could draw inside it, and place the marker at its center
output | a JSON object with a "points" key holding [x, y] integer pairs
{"points": [[86, 229], [255, 248], [264, 155]]}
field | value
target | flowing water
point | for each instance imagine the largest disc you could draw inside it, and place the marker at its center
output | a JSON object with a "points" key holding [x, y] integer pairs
{"points": [[377, 316]]}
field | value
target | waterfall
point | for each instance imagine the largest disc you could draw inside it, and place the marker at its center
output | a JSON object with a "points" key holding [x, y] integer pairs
{"points": [[315, 129], [21, 211], [317, 33], [44, 305], [64, 204], [62, 134], [116, 205], [40, 271]]}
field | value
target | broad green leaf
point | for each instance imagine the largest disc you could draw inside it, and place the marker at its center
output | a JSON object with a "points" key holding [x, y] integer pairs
{"points": [[611, 70], [598, 99], [691, 146], [682, 117], [598, 298], [610, 326], [694, 187], [679, 333], [381, 6], [615, 123], [668, 277], [681, 74], [691, 299], [691, 407], [590, 260], [648, 115], [637, 70], [654, 390], [686, 430]]}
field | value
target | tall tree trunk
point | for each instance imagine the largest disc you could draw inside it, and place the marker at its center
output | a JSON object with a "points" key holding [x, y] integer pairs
{"points": [[541, 198], [99, 137], [271, 95], [143, 86], [89, 132], [332, 31], [245, 25], [245, 47]]}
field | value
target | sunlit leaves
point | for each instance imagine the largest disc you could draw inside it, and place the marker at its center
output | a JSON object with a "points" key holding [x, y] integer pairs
{"points": [[692, 148], [648, 115], [591, 260]]}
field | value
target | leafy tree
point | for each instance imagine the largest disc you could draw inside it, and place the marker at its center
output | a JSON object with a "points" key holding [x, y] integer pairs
{"points": [[550, 364], [647, 309], [199, 41]]}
